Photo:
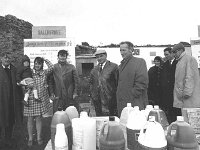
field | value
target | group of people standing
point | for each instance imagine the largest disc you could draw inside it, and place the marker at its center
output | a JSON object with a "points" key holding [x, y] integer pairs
{"points": [[170, 85], [59, 80], [113, 86], [174, 82]]}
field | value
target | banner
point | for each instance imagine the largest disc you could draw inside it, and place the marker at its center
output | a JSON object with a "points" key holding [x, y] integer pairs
{"points": [[48, 48]]}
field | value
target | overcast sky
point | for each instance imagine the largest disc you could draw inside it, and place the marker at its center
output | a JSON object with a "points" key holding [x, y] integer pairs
{"points": [[113, 21]]}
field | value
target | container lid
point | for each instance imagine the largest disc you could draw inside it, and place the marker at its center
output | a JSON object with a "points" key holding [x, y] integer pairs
{"points": [[136, 108], [149, 107], [111, 118], [83, 114], [156, 107], [180, 118], [128, 104]]}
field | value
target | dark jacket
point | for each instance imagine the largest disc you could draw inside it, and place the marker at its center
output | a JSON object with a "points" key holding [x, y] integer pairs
{"points": [[167, 84], [65, 84], [7, 96], [103, 86], [154, 88], [22, 71]]}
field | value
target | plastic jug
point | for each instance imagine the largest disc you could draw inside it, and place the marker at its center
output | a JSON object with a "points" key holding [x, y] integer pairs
{"points": [[124, 118], [111, 136], [61, 140], [135, 123], [152, 136], [159, 116], [100, 121], [84, 132], [148, 108], [61, 117], [72, 112], [180, 135]]}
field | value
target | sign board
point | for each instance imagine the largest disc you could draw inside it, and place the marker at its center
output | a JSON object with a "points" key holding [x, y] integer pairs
{"points": [[48, 48], [195, 47], [48, 32]]}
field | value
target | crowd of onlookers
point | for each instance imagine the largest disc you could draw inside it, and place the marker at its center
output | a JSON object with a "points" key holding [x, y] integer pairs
{"points": [[172, 83]]}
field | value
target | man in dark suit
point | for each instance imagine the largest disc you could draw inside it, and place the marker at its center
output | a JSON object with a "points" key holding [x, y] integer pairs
{"points": [[103, 85], [7, 97], [167, 85]]}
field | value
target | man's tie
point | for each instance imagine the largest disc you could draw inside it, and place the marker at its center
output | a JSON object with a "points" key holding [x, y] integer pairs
{"points": [[100, 67]]}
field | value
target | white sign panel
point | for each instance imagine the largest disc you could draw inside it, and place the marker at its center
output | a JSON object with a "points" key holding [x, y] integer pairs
{"points": [[48, 48], [195, 48]]}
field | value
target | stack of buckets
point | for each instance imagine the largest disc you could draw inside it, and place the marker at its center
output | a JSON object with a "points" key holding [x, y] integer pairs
{"points": [[136, 130]]}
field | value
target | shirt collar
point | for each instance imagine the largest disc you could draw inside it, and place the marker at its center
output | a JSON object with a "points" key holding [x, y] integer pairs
{"points": [[103, 64]]}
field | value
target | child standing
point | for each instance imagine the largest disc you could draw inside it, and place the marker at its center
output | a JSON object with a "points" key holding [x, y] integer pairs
{"points": [[24, 78]]}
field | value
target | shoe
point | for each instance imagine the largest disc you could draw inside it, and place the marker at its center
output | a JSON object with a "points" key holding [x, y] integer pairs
{"points": [[38, 100], [40, 142], [30, 143], [25, 103]]}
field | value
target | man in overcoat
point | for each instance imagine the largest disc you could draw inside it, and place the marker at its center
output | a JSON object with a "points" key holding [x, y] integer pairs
{"points": [[65, 83], [133, 79], [7, 97], [103, 85], [187, 80]]}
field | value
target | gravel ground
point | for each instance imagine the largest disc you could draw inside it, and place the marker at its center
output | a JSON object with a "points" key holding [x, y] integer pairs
{"points": [[20, 134]]}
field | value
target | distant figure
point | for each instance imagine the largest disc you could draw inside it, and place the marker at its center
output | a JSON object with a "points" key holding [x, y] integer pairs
{"points": [[154, 88], [8, 102], [133, 79], [24, 78], [187, 81], [66, 82], [103, 85]]}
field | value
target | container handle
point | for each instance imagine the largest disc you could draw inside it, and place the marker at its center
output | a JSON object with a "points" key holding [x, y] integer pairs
{"points": [[170, 128]]}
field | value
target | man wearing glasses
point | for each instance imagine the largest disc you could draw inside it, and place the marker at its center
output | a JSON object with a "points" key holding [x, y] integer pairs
{"points": [[187, 81]]}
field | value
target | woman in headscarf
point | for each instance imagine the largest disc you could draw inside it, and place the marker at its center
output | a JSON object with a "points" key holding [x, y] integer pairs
{"points": [[154, 88]]}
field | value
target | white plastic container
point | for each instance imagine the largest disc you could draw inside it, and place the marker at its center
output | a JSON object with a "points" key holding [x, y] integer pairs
{"points": [[72, 112], [124, 118], [61, 140], [135, 123], [148, 109], [84, 132], [153, 137]]}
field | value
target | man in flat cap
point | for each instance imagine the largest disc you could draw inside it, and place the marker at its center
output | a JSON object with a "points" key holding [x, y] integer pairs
{"points": [[187, 81], [103, 85]]}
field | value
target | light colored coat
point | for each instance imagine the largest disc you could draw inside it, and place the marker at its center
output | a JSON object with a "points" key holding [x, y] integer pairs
{"points": [[187, 82], [132, 83]]}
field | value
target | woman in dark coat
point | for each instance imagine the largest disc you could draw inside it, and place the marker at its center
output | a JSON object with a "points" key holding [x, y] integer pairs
{"points": [[154, 88]]}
